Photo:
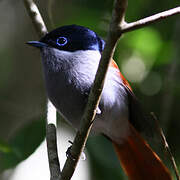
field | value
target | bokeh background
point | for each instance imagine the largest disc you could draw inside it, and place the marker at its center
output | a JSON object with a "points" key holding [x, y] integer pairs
{"points": [[148, 58]]}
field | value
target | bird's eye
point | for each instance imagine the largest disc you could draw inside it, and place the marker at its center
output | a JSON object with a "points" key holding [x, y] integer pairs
{"points": [[61, 41]]}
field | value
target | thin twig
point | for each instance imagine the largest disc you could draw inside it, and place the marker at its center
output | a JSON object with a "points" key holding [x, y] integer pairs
{"points": [[51, 139], [54, 165], [166, 146], [149, 20], [36, 17], [95, 93]]}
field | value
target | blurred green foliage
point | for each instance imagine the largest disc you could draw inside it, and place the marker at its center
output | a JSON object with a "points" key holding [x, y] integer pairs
{"points": [[137, 42], [23, 144], [22, 91]]}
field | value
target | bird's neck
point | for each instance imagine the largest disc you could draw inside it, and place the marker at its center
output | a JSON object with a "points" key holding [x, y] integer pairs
{"points": [[80, 65]]}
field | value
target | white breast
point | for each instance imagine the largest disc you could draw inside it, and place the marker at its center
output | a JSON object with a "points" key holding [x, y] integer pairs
{"points": [[114, 120], [80, 68]]}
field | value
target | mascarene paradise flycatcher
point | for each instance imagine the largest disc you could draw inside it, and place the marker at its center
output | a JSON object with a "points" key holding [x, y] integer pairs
{"points": [[70, 58]]}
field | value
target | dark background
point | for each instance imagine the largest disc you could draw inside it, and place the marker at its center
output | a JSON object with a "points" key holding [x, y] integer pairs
{"points": [[148, 58]]}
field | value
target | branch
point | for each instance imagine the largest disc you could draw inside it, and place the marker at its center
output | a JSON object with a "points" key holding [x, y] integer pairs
{"points": [[54, 165], [166, 146], [36, 18], [149, 20], [95, 93], [51, 139]]}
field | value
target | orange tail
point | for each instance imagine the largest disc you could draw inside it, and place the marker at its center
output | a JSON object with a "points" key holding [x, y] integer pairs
{"points": [[139, 161]]}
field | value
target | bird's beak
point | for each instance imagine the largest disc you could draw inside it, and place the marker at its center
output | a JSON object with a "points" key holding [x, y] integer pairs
{"points": [[37, 44]]}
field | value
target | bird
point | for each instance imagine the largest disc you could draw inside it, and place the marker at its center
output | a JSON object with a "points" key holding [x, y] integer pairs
{"points": [[70, 58]]}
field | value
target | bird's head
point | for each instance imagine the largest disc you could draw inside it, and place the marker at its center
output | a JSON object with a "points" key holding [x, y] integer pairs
{"points": [[70, 38]]}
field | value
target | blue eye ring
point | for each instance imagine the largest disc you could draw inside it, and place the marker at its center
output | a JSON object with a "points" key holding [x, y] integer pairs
{"points": [[61, 41]]}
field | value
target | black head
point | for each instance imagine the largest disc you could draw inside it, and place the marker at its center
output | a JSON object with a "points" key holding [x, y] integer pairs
{"points": [[72, 38]]}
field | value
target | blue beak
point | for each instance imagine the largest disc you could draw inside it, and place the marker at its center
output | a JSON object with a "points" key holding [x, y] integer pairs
{"points": [[37, 44]]}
